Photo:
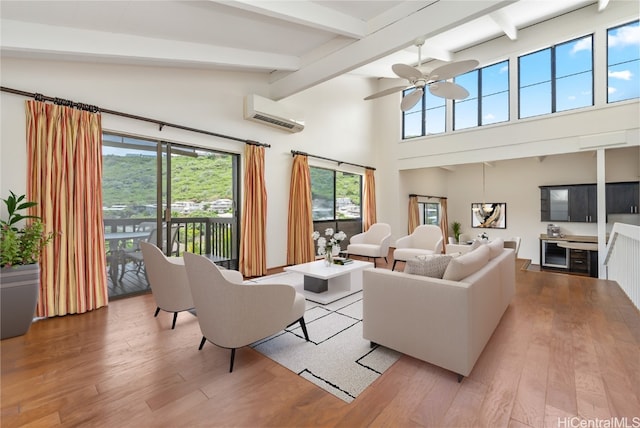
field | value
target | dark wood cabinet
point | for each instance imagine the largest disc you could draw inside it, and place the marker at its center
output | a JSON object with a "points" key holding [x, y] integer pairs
{"points": [[583, 203], [575, 203], [623, 198]]}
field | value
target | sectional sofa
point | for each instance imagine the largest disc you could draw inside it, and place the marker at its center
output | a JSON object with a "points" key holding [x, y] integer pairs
{"points": [[444, 321]]}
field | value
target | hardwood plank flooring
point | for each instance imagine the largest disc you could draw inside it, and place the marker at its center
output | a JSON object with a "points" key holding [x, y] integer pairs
{"points": [[567, 346]]}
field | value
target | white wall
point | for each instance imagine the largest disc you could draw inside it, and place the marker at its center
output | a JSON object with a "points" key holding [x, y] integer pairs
{"points": [[337, 120]]}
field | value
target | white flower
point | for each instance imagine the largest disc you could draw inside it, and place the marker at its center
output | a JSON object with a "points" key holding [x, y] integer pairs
{"points": [[331, 240], [316, 235], [328, 232]]}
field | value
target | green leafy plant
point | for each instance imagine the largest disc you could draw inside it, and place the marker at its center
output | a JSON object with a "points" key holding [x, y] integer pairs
{"points": [[456, 230], [21, 246]]}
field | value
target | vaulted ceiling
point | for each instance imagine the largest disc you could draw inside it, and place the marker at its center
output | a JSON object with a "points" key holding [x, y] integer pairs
{"points": [[298, 43]]}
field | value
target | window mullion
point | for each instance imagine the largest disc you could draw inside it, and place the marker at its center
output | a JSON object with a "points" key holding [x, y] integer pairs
{"points": [[553, 79]]}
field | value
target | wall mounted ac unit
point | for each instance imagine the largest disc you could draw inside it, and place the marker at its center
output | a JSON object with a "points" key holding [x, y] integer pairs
{"points": [[269, 112]]}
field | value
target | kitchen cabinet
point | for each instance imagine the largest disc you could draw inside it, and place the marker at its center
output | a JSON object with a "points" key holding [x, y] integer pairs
{"points": [[576, 203], [623, 198], [583, 203]]}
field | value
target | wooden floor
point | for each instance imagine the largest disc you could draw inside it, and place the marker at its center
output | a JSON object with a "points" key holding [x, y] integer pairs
{"points": [[567, 346]]}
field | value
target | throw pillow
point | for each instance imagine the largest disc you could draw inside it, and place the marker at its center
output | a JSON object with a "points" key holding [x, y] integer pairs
{"points": [[431, 266], [495, 248], [463, 266]]}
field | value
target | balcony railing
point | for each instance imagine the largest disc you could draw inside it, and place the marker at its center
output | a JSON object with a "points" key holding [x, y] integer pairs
{"points": [[623, 259], [215, 237]]}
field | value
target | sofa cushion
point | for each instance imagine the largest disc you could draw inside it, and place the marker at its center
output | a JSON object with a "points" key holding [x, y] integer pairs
{"points": [[463, 266], [477, 243], [495, 248], [431, 266]]}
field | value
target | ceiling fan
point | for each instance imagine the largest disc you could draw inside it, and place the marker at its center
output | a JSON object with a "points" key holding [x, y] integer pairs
{"points": [[435, 80]]}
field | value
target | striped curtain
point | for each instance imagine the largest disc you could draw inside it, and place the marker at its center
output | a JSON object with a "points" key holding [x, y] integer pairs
{"points": [[64, 176], [300, 248], [414, 213], [369, 203], [253, 251], [444, 222]]}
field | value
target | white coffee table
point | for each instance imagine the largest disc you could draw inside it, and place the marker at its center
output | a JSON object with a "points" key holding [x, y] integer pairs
{"points": [[325, 284]]}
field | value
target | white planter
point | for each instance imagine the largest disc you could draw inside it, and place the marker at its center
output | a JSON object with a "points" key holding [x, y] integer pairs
{"points": [[19, 296]]}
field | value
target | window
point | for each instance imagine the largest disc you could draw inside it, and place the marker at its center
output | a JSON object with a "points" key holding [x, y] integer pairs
{"points": [[429, 212], [336, 195], [556, 79], [336, 201], [427, 117], [488, 100], [623, 62]]}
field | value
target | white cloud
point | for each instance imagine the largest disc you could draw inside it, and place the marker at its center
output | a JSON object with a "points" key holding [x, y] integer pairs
{"points": [[571, 97], [625, 36], [489, 116], [622, 75], [504, 69], [582, 45], [611, 89]]}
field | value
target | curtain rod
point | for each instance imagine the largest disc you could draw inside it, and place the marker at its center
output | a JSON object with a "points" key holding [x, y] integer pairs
{"points": [[295, 152], [427, 196], [95, 109]]}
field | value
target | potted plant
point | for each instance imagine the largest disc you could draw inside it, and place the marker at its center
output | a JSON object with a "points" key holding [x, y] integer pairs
{"points": [[456, 230], [20, 249]]}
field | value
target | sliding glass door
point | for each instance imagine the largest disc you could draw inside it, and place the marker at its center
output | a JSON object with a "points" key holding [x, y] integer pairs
{"points": [[178, 197]]}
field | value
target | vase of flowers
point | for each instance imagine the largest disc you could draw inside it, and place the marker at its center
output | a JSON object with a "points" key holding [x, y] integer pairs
{"points": [[329, 244]]}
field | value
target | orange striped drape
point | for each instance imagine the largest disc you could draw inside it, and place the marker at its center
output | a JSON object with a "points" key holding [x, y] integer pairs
{"points": [[253, 252], [414, 213], [369, 203], [300, 248], [444, 222], [64, 176]]}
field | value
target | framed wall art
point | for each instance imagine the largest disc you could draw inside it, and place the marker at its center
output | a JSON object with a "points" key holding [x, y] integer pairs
{"points": [[489, 215]]}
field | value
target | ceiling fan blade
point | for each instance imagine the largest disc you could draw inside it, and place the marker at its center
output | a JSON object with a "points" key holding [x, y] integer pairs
{"points": [[453, 69], [411, 99], [448, 90], [407, 72], [386, 92]]}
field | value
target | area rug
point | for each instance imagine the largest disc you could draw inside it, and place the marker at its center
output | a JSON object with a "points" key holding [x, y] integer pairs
{"points": [[337, 358]]}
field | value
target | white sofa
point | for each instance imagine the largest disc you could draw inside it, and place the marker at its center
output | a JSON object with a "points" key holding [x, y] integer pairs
{"points": [[444, 322]]}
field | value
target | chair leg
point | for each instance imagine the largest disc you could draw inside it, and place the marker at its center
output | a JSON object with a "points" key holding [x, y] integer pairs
{"points": [[394, 265], [385, 260], [303, 325], [233, 356], [175, 317], [157, 311], [204, 339]]}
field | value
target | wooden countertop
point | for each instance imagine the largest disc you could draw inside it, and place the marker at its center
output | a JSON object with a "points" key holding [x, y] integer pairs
{"points": [[570, 238], [579, 245]]}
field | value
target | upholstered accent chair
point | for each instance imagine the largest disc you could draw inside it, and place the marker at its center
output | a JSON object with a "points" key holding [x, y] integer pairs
{"points": [[425, 240], [231, 314], [513, 243], [168, 280], [373, 243]]}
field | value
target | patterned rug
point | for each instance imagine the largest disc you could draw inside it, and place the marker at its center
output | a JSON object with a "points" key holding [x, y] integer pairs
{"points": [[337, 358]]}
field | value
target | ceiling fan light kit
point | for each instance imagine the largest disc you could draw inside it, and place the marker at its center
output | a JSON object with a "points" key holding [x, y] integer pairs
{"points": [[436, 80]]}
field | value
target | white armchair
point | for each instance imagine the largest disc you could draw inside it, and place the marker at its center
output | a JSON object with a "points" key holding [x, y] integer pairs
{"points": [[233, 315], [373, 243], [425, 240], [168, 280]]}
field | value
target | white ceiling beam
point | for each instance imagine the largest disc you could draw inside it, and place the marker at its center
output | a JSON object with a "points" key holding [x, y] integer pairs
{"points": [[427, 22], [19, 36], [434, 52], [602, 5], [396, 13], [306, 13], [505, 25]]}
